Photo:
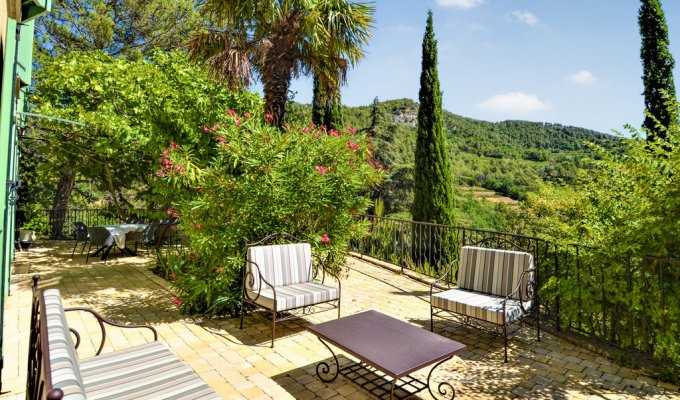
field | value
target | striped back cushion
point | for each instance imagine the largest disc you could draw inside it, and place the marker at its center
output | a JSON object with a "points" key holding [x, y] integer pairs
{"points": [[62, 352], [493, 271], [281, 264]]}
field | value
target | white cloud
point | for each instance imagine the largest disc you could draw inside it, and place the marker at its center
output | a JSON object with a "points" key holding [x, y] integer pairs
{"points": [[515, 103], [464, 4], [582, 78], [525, 17]]}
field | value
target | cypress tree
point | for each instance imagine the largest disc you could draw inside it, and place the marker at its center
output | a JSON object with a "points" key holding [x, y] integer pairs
{"points": [[318, 103], [657, 65], [333, 118], [433, 183], [326, 107]]}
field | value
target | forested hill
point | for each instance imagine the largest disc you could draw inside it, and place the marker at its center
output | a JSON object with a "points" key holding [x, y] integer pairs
{"points": [[510, 157], [492, 139]]}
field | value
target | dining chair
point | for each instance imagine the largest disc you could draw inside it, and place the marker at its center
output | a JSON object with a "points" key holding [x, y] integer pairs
{"points": [[81, 236], [101, 238]]}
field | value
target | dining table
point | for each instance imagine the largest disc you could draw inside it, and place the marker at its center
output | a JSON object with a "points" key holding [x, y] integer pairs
{"points": [[119, 233]]}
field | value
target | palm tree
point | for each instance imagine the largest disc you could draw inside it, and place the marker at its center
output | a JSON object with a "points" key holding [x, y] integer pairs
{"points": [[278, 40]]}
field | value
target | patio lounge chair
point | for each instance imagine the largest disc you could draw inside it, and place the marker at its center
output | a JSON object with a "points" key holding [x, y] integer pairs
{"points": [[279, 278], [495, 286]]}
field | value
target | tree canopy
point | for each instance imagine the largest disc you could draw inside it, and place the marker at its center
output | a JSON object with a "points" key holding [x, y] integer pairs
{"points": [[282, 39], [132, 109]]}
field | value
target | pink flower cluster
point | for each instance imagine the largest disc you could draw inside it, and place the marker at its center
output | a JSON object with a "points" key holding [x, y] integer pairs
{"points": [[325, 238], [168, 166], [375, 164], [177, 301], [353, 146], [174, 214], [318, 131], [321, 169]]}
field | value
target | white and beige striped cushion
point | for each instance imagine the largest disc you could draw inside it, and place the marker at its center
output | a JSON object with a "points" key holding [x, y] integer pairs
{"points": [[481, 306], [281, 264], [62, 353], [149, 371], [493, 271], [293, 296]]}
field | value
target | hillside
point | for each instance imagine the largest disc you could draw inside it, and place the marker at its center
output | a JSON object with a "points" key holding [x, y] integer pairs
{"points": [[511, 158]]}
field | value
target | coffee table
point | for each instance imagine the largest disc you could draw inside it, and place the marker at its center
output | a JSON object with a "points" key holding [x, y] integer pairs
{"points": [[386, 348]]}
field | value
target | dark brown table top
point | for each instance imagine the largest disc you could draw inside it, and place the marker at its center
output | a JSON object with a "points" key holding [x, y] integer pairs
{"points": [[388, 344]]}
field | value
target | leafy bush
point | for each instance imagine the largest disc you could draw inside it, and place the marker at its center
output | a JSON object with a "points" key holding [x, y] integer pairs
{"points": [[627, 212], [255, 180]]}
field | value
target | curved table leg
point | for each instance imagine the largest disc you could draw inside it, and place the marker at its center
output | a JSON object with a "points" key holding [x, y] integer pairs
{"points": [[444, 387], [325, 369]]}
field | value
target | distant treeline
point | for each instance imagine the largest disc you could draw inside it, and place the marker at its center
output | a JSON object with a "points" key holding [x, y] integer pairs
{"points": [[510, 157]]}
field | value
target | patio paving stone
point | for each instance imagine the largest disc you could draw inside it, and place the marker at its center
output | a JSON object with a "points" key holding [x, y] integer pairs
{"points": [[239, 364]]}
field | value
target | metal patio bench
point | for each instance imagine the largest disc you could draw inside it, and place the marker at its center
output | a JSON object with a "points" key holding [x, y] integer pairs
{"points": [[496, 287], [279, 278], [56, 372]]}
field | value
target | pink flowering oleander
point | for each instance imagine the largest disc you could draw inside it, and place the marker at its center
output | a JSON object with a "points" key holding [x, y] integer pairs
{"points": [[231, 112], [353, 146], [325, 238], [246, 115], [269, 117], [206, 129], [177, 301], [220, 139], [321, 169], [216, 127]]}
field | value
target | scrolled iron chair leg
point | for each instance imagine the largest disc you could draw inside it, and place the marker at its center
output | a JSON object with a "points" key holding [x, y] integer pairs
{"points": [[431, 319], [505, 338], [538, 324], [243, 311], [273, 327]]}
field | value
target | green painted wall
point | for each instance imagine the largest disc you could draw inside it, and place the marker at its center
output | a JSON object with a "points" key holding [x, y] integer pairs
{"points": [[6, 100], [9, 145]]}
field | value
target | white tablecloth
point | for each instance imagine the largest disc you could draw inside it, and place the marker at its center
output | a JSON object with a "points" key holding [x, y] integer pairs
{"points": [[119, 231]]}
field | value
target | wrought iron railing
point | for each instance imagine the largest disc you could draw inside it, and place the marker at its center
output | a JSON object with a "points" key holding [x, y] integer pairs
{"points": [[632, 304]]}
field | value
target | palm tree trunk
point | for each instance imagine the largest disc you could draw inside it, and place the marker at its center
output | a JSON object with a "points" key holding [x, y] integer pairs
{"points": [[277, 69]]}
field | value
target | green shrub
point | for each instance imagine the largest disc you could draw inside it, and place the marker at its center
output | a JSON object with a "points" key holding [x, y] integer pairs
{"points": [[256, 180]]}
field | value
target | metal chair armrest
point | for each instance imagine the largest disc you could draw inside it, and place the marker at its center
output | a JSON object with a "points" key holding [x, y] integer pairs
{"points": [[441, 278], [249, 279], [102, 320]]}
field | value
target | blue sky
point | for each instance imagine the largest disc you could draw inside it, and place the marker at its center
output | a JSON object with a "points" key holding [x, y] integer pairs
{"points": [[574, 62]]}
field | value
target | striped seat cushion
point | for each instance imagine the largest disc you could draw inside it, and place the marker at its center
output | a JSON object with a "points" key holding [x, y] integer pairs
{"points": [[494, 271], [149, 371], [478, 305], [293, 296], [281, 264], [62, 353]]}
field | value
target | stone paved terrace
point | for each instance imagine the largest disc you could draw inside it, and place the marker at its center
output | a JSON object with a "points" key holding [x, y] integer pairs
{"points": [[240, 364]]}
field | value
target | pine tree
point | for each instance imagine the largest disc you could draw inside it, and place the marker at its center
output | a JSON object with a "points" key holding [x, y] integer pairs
{"points": [[433, 183], [657, 63]]}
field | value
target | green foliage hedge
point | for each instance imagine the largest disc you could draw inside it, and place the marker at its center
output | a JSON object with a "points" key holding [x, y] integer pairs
{"points": [[256, 180], [627, 212]]}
